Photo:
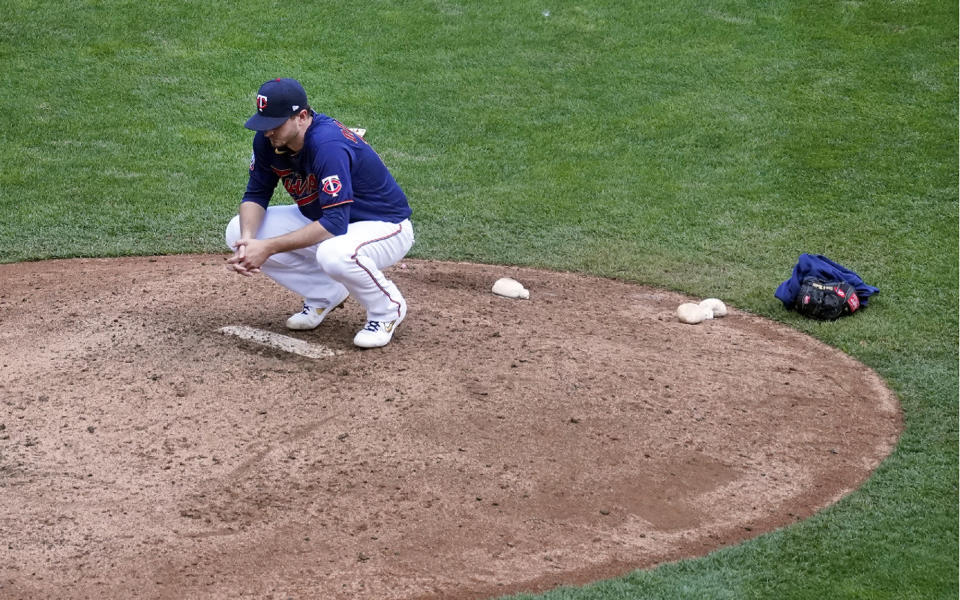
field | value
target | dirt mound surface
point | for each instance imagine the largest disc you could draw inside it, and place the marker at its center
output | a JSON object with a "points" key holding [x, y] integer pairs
{"points": [[495, 446]]}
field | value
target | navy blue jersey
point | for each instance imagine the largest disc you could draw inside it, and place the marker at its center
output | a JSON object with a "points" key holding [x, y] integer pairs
{"points": [[336, 178]]}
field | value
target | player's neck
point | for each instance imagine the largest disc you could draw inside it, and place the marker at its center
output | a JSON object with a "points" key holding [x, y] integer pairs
{"points": [[296, 144]]}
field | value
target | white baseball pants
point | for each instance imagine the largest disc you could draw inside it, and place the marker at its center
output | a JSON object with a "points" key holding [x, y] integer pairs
{"points": [[352, 261]]}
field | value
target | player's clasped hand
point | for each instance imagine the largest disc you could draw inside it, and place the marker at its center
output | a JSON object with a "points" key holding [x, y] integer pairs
{"points": [[247, 257]]}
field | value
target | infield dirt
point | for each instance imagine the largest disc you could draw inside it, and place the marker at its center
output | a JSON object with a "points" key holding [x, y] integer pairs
{"points": [[495, 446]]}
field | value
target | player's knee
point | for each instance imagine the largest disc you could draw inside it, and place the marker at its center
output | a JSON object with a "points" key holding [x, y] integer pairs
{"points": [[233, 232], [336, 257], [333, 264]]}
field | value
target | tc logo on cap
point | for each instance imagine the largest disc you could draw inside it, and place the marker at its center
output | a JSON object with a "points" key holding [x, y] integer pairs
{"points": [[261, 102]]}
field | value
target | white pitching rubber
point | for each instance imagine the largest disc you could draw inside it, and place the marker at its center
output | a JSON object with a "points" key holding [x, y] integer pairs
{"points": [[510, 288], [280, 342]]}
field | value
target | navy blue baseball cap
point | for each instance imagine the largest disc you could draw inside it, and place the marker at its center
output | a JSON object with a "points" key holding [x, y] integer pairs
{"points": [[277, 101]]}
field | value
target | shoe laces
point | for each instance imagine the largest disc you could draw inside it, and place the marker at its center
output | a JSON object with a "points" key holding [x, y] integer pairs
{"points": [[372, 326]]}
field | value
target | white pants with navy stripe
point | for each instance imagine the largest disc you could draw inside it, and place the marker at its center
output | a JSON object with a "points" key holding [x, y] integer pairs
{"points": [[353, 261]]}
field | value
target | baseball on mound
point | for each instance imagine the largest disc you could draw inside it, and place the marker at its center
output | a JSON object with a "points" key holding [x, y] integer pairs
{"points": [[510, 288], [716, 307], [691, 313]]}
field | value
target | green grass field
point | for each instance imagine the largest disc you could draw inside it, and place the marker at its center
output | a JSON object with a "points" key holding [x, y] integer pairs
{"points": [[696, 146]]}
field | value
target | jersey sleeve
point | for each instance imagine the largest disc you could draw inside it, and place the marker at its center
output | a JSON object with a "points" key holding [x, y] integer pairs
{"points": [[263, 180], [331, 166]]}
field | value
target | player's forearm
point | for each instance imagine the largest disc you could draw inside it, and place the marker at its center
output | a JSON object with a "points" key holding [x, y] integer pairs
{"points": [[301, 238], [251, 217]]}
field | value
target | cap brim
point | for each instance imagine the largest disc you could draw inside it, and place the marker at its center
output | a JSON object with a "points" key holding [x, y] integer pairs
{"points": [[259, 122]]}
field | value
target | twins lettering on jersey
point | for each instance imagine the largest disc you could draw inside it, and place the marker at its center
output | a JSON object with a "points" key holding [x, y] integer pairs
{"points": [[304, 189]]}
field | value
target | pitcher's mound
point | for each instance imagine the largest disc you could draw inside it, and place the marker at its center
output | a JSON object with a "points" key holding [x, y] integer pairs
{"points": [[496, 445]]}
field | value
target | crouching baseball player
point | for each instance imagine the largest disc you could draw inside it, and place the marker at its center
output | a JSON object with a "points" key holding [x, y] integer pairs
{"points": [[350, 220]]}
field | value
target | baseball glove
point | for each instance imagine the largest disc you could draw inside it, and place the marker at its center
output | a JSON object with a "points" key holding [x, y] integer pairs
{"points": [[825, 300]]}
